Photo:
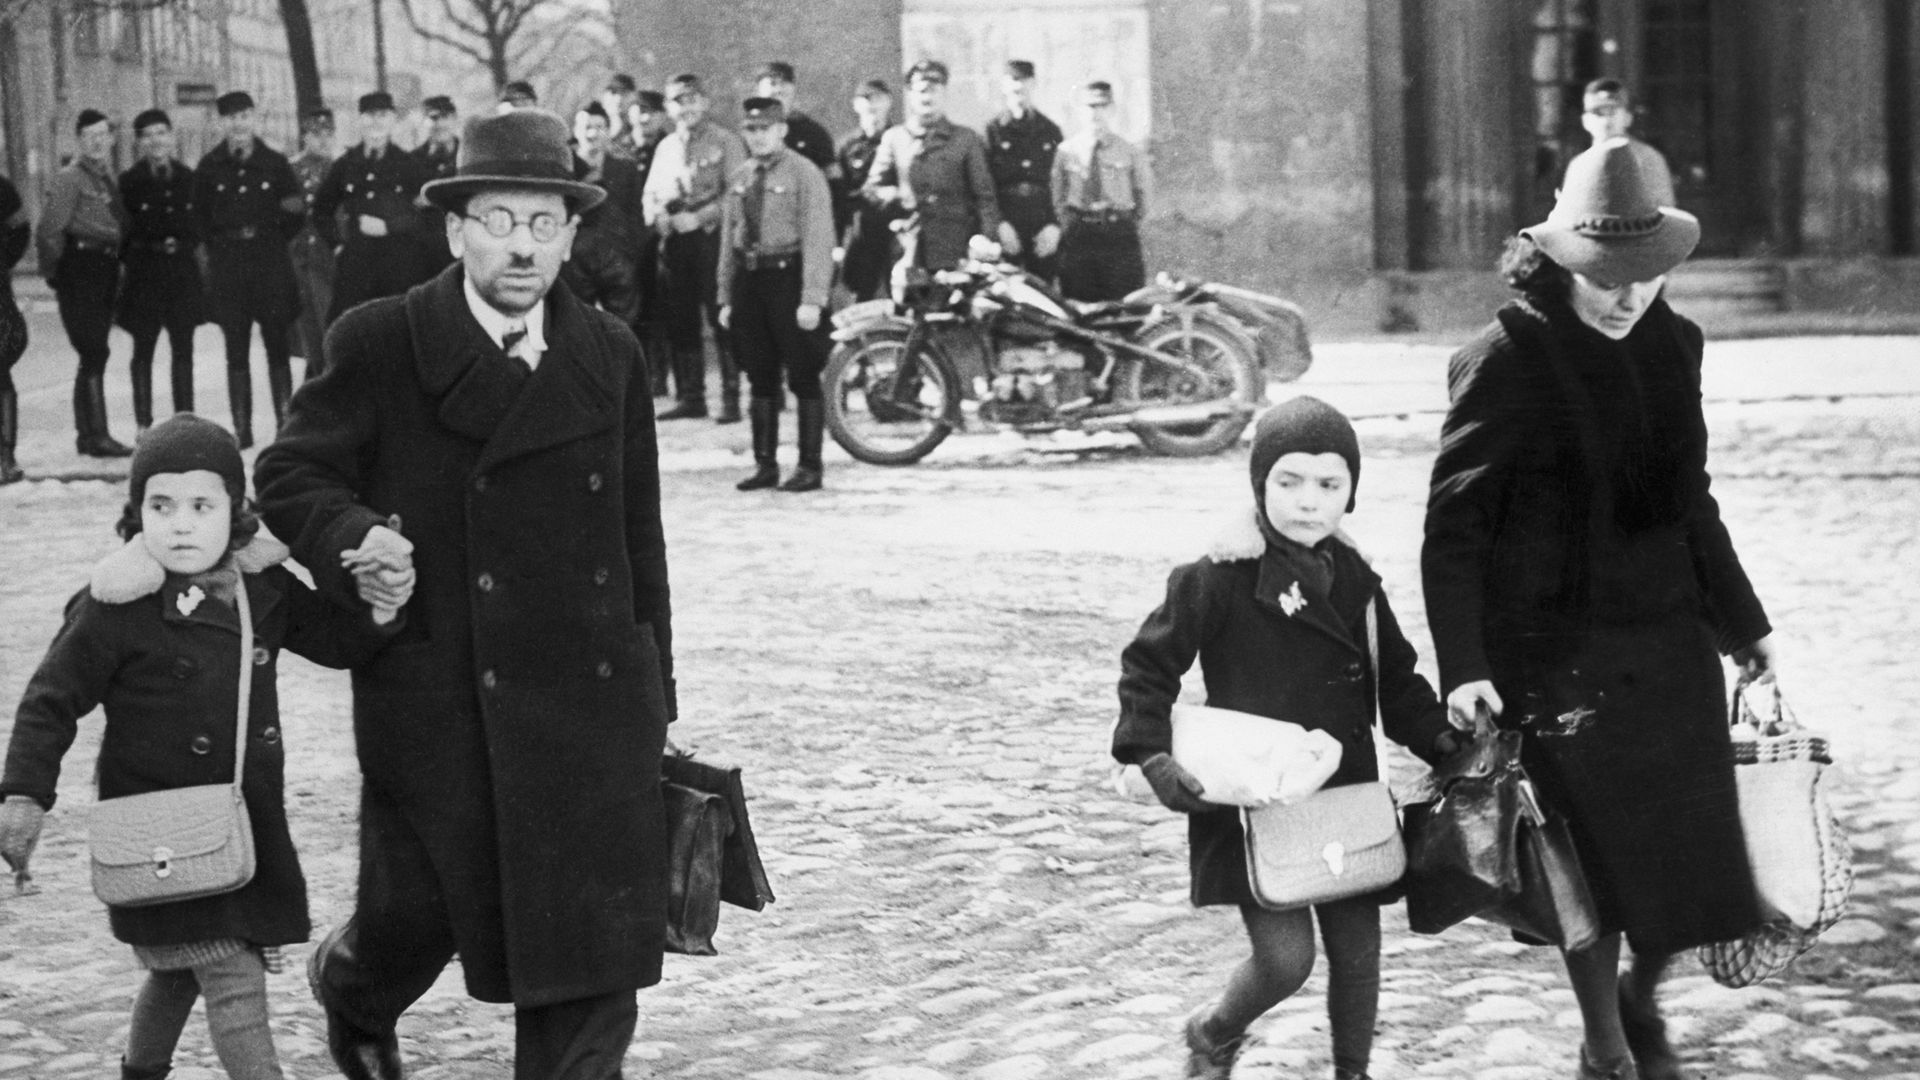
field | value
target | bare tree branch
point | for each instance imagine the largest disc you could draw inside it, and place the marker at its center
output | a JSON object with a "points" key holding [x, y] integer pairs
{"points": [[437, 37]]}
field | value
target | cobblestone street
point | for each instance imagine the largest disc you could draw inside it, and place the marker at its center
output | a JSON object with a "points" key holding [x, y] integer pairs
{"points": [[916, 670]]}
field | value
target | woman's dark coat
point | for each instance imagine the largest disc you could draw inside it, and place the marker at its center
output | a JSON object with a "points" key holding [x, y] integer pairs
{"points": [[1309, 667], [169, 682], [533, 684], [162, 286], [1575, 557]]}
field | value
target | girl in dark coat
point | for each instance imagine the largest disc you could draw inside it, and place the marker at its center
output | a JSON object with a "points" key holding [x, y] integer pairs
{"points": [[155, 639], [1580, 585], [1276, 614]]}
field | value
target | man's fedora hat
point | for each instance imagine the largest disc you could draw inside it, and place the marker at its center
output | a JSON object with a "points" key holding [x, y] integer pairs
{"points": [[1605, 225], [524, 149]]}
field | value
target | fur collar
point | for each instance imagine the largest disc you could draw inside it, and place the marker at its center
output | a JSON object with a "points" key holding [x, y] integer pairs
{"points": [[132, 572], [1240, 539]]}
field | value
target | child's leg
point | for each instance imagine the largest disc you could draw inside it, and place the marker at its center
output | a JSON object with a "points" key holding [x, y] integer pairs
{"points": [[236, 990], [159, 1015], [1350, 930], [1282, 959]]}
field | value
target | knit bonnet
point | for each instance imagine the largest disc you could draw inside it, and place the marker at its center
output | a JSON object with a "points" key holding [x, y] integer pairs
{"points": [[1304, 425], [184, 443]]}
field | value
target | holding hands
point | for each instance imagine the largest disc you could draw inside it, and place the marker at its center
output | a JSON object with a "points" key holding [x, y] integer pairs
{"points": [[382, 568]]}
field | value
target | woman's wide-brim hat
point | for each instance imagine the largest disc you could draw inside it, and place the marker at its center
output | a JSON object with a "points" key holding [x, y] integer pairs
{"points": [[525, 150], [1605, 223]]}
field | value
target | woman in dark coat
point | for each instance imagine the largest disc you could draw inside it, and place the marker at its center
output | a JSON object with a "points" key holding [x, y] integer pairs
{"points": [[1580, 586]]}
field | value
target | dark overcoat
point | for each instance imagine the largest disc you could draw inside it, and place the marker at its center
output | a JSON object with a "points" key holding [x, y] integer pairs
{"points": [[249, 208], [162, 286], [1308, 666], [518, 721], [167, 674], [1575, 557]]}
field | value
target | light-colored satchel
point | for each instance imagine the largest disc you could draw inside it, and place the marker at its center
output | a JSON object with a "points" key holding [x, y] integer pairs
{"points": [[183, 843], [1339, 842]]}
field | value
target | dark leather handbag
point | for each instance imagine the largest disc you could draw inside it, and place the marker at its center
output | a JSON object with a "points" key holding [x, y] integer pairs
{"points": [[711, 853], [1553, 905], [1461, 850]]}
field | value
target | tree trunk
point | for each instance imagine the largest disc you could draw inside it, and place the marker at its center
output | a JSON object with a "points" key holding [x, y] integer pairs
{"points": [[306, 66], [497, 61]]}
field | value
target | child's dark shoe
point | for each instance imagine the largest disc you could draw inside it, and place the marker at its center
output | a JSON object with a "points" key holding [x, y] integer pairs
{"points": [[1646, 1032], [128, 1072], [1208, 1059], [1621, 1069]]}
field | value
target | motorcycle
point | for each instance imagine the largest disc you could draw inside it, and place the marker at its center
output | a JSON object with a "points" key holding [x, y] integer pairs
{"points": [[1184, 377], [1277, 326]]}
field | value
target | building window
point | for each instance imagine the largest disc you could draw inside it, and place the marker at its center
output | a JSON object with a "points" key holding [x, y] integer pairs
{"points": [[86, 31], [1678, 90], [1566, 56]]}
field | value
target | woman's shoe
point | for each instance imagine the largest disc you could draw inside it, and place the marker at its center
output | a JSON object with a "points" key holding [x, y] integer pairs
{"points": [[1621, 1069], [1647, 1038], [1206, 1058]]}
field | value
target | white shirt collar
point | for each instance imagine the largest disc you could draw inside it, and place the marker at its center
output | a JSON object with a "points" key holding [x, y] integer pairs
{"points": [[497, 324]]}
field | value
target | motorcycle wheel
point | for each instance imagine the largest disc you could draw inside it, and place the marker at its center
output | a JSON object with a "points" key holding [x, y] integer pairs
{"points": [[1232, 369], [862, 411]]}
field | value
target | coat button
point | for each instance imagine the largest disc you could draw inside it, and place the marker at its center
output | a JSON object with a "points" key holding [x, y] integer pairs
{"points": [[594, 482], [486, 582], [185, 668], [488, 679], [600, 575], [1354, 672], [270, 736], [201, 745], [261, 657], [479, 483], [605, 670]]}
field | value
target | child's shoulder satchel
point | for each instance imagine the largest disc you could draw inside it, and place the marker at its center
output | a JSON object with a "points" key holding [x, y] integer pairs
{"points": [[183, 843], [1336, 843]]}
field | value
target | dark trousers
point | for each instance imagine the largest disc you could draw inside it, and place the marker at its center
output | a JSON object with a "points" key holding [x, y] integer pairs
{"points": [[1100, 260], [767, 339], [88, 281], [371, 267], [401, 937], [688, 265], [867, 265], [146, 341], [1028, 214], [13, 336], [313, 275]]}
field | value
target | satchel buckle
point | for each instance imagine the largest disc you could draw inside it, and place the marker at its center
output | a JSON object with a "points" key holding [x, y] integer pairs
{"points": [[1335, 856], [162, 862]]}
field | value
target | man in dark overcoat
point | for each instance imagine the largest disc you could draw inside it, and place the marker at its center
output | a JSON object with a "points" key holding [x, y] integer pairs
{"points": [[312, 257], [250, 205], [1021, 142], [936, 170], [365, 209], [162, 287], [510, 739]]}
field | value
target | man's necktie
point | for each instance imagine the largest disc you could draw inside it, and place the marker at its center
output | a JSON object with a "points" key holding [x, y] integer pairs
{"points": [[752, 202], [1093, 194], [511, 343]]}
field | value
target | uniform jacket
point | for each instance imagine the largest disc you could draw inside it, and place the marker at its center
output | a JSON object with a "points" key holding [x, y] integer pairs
{"points": [[796, 213], [162, 286], [941, 175], [689, 171], [807, 138], [435, 164], [166, 670], [249, 209], [604, 268], [854, 156], [83, 201], [1126, 180], [517, 722], [1020, 150], [383, 187], [1308, 666]]}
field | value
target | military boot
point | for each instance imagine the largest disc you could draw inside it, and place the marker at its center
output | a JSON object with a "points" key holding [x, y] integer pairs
{"points": [[10, 470], [812, 414], [100, 443], [240, 397], [764, 413], [280, 389], [690, 381], [729, 380]]}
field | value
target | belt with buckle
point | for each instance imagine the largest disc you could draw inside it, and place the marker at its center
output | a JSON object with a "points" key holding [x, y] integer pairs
{"points": [[1101, 217], [244, 232], [770, 260], [89, 244], [172, 245], [1026, 190]]}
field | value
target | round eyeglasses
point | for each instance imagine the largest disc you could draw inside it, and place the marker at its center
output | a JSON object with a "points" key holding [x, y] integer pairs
{"points": [[500, 223]]}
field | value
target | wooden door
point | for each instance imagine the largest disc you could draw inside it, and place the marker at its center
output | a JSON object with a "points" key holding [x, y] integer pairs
{"points": [[1691, 83]]}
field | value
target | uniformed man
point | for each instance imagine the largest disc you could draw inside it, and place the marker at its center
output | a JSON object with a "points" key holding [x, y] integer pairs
{"points": [[682, 205], [776, 269], [250, 205], [648, 123], [936, 171], [804, 133], [601, 269], [1021, 142], [79, 240], [162, 288], [1606, 112], [438, 157], [517, 94], [866, 239], [312, 256], [1100, 188], [617, 99], [374, 186]]}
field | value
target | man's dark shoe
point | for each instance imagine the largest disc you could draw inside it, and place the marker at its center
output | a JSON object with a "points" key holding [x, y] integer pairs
{"points": [[690, 409], [803, 479], [1647, 1038], [359, 1054]]}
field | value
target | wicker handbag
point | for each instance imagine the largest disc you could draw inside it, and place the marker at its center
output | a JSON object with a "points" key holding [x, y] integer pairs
{"points": [[1336, 843], [182, 843], [1802, 863]]}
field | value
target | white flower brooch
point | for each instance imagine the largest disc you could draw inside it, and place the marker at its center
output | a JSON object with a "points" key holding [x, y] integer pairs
{"points": [[1291, 601], [189, 600]]}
